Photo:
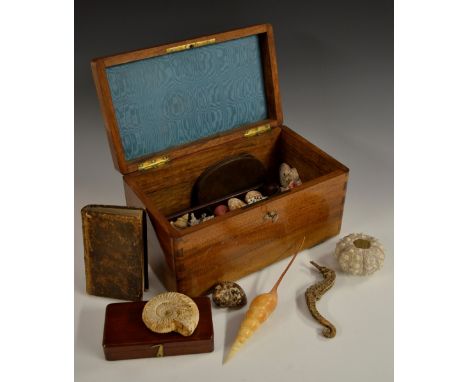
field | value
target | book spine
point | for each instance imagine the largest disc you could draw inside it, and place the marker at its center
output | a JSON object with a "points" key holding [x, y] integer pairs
{"points": [[85, 215]]}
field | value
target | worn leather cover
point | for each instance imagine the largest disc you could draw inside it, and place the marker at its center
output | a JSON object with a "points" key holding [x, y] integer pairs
{"points": [[115, 251], [126, 336], [228, 177]]}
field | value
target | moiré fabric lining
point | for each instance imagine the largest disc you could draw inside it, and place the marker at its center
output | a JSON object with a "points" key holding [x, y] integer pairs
{"points": [[177, 98]]}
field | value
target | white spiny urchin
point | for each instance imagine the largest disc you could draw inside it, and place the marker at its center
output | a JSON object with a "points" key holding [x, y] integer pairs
{"points": [[360, 254]]}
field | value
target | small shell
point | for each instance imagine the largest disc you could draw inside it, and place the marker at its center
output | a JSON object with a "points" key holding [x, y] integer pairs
{"points": [[253, 197], [284, 174], [235, 204], [193, 220], [171, 311], [289, 177], [205, 218], [220, 210], [181, 222], [228, 294]]}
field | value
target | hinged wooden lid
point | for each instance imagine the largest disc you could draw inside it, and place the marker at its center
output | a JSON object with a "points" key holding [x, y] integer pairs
{"points": [[164, 97]]}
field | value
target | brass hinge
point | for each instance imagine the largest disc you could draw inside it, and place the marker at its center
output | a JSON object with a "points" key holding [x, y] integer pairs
{"points": [[257, 130], [153, 163], [195, 44], [159, 350]]}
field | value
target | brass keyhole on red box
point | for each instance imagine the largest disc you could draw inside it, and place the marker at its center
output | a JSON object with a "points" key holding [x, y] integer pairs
{"points": [[159, 350], [271, 216]]}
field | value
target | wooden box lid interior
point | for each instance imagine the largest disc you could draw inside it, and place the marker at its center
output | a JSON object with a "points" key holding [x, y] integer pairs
{"points": [[156, 99]]}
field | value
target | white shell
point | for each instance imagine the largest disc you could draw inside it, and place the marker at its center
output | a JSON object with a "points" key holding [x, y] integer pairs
{"points": [[181, 222], [235, 203], [171, 311], [193, 220], [360, 254], [289, 177], [253, 196], [205, 218]]}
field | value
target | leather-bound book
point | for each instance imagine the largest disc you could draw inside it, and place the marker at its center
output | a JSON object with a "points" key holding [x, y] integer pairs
{"points": [[115, 251]]}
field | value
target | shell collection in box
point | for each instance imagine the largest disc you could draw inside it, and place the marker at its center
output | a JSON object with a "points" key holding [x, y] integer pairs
{"points": [[189, 220], [232, 204], [288, 177]]}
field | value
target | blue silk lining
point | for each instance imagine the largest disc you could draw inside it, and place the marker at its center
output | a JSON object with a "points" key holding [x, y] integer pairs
{"points": [[177, 98]]}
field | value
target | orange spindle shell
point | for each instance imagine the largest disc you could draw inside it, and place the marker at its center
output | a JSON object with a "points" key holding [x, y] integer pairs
{"points": [[259, 310]]}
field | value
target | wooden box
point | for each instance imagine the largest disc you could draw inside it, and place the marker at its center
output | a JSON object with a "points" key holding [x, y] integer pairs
{"points": [[126, 336], [173, 111]]}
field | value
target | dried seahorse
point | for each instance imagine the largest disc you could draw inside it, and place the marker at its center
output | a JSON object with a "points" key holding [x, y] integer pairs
{"points": [[260, 309], [313, 294]]}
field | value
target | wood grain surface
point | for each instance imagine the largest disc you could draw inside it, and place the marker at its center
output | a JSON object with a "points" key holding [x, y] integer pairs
{"points": [[127, 164], [126, 336], [243, 241]]}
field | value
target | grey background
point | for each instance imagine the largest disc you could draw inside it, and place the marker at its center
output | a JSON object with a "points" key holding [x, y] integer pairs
{"points": [[335, 64]]}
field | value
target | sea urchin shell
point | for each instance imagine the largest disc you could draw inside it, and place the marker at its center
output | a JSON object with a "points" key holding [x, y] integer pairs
{"points": [[360, 254]]}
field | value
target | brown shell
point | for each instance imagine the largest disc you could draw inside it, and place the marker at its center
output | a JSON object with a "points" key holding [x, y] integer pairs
{"points": [[228, 294]]}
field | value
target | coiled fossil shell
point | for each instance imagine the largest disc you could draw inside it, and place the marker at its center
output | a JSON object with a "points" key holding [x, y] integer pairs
{"points": [[253, 196], [228, 294], [235, 204], [171, 311], [359, 254]]}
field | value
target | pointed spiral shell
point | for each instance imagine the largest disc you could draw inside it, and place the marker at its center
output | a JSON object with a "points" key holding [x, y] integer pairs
{"points": [[260, 309], [171, 311]]}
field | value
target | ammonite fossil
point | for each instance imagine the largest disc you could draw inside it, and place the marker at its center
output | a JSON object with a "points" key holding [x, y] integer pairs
{"points": [[171, 311]]}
